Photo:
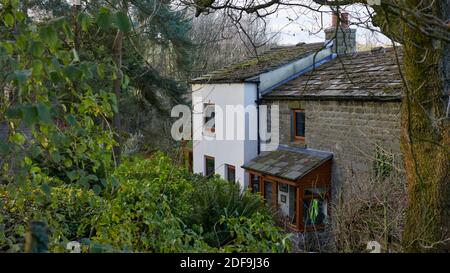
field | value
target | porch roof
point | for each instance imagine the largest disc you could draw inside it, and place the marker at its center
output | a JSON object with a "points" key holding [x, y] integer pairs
{"points": [[288, 162]]}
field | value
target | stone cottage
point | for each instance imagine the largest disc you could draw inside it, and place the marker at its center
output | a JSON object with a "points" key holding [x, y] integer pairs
{"points": [[348, 106], [337, 108]]}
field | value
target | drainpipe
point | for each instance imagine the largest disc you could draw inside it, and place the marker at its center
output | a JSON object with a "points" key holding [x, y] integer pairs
{"points": [[257, 116]]}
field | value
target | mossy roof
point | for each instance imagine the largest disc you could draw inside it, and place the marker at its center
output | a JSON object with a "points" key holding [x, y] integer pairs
{"points": [[288, 162], [363, 75], [265, 62]]}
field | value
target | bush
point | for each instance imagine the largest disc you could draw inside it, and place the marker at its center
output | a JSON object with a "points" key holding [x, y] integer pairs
{"points": [[161, 208], [214, 199], [70, 213], [57, 163], [154, 206], [146, 209], [256, 234], [370, 210]]}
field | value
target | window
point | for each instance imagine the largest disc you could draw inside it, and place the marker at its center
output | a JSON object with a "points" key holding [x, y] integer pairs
{"points": [[315, 207], [268, 192], [299, 125], [293, 204], [209, 116], [209, 166], [254, 183], [268, 130], [230, 173]]}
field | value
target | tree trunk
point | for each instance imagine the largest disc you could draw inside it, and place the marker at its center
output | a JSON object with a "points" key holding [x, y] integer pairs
{"points": [[117, 56], [425, 138]]}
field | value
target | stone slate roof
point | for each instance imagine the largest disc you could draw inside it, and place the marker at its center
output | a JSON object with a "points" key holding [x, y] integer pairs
{"points": [[367, 75], [267, 61], [288, 162]]}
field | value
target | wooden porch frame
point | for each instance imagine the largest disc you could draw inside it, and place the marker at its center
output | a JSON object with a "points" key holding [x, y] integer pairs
{"points": [[300, 186]]}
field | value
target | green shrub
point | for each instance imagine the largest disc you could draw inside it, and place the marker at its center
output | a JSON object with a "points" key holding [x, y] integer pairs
{"points": [[154, 207], [214, 199], [145, 211], [57, 163], [256, 234], [68, 211]]}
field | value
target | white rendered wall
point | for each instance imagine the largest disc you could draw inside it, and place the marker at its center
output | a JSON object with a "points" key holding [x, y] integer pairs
{"points": [[234, 152], [237, 152]]}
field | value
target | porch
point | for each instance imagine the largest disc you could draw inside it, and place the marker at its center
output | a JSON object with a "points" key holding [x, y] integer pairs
{"points": [[297, 183]]}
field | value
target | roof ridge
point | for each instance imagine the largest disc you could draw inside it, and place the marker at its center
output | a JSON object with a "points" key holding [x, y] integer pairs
{"points": [[377, 49], [255, 65]]}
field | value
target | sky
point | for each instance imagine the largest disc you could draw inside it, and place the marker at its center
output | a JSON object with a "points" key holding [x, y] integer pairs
{"points": [[297, 24]]}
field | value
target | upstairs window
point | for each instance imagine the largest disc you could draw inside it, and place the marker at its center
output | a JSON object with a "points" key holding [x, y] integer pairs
{"points": [[208, 118], [230, 173], [209, 166], [299, 125]]}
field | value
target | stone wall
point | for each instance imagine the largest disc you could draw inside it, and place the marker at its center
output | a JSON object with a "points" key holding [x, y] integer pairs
{"points": [[344, 40], [351, 130]]}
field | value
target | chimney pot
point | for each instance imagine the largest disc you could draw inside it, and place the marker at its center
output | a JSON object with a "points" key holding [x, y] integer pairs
{"points": [[343, 20], [334, 20]]}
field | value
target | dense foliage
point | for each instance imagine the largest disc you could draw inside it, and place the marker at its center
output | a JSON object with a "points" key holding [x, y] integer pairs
{"points": [[56, 107], [157, 207], [58, 166]]}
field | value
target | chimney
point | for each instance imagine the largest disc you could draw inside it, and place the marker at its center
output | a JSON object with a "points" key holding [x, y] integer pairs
{"points": [[344, 37]]}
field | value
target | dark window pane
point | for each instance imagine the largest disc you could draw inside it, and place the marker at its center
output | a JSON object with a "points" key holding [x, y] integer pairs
{"points": [[283, 187], [300, 124], [231, 175], [268, 192], [255, 183], [316, 191], [209, 166], [314, 211], [209, 114], [292, 204]]}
